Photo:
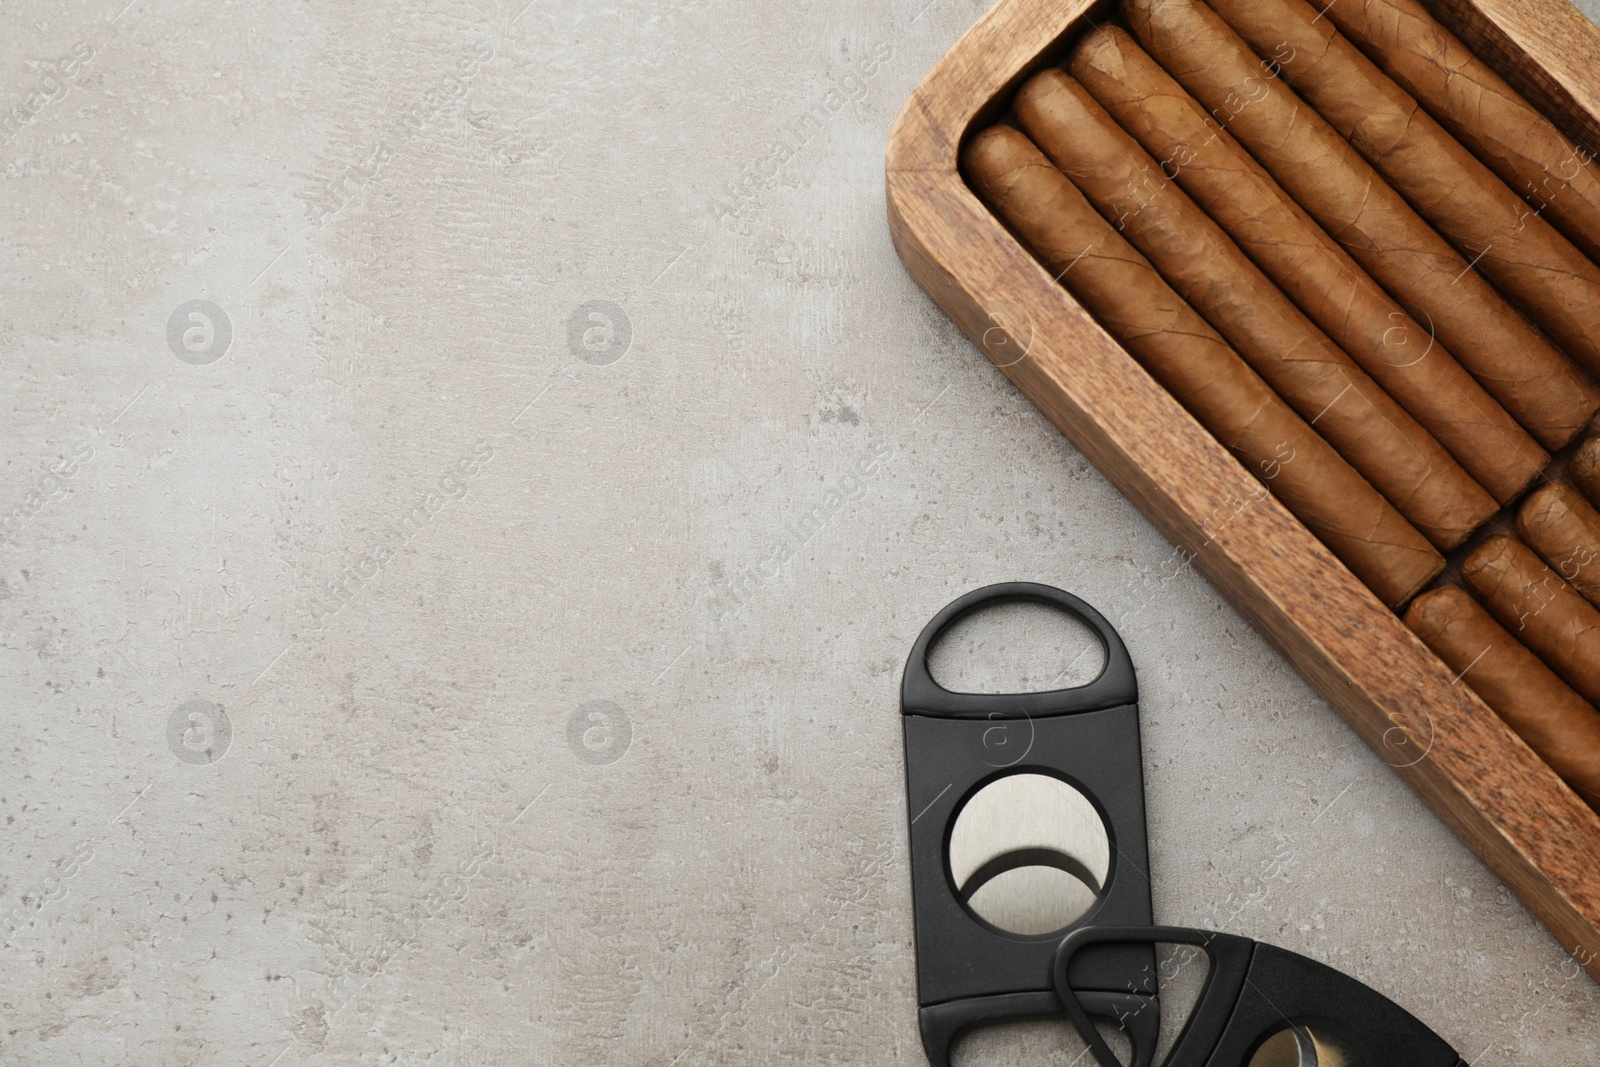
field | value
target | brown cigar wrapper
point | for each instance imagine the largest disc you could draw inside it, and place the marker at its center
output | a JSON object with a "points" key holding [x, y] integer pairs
{"points": [[1584, 469], [1540, 610], [1337, 187], [1513, 246], [1318, 275], [1475, 104], [1560, 525], [1560, 726], [1401, 459], [1129, 298]]}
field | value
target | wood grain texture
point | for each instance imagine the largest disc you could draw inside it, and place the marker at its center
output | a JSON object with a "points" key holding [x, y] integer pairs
{"points": [[1499, 798], [1544, 48]]}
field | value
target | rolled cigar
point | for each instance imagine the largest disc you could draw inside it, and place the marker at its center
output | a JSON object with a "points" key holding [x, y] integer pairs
{"points": [[1310, 267], [1560, 726], [1541, 610], [1512, 245], [1337, 187], [1466, 97], [1560, 525], [1310, 372], [1584, 469], [1191, 361]]}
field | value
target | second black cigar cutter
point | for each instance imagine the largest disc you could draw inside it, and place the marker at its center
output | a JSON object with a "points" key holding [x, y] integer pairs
{"points": [[1031, 892], [1027, 821]]}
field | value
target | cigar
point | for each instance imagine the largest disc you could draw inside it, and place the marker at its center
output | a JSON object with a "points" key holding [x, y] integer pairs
{"points": [[1560, 726], [1466, 97], [1337, 187], [1584, 469], [1310, 267], [1512, 244], [1560, 525], [1541, 610], [1191, 361], [1310, 372]]}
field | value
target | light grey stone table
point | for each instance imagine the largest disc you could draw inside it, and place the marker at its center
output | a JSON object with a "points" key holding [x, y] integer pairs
{"points": [[474, 472]]}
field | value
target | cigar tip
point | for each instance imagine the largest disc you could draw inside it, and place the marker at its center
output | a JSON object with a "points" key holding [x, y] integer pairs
{"points": [[1492, 549], [1548, 490], [1586, 459], [1096, 49], [1095, 35], [1434, 611], [1047, 81], [1096, 40], [988, 146], [1539, 499], [996, 152], [994, 135], [1443, 596]]}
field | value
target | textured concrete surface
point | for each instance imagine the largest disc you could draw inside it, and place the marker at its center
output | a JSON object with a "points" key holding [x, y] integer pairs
{"points": [[474, 472]]}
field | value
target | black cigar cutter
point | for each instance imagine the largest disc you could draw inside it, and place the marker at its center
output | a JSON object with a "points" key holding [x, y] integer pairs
{"points": [[1031, 896], [1260, 1006], [1013, 796]]}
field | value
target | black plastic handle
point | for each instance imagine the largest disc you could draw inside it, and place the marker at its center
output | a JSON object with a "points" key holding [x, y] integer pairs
{"points": [[1230, 963], [921, 695]]}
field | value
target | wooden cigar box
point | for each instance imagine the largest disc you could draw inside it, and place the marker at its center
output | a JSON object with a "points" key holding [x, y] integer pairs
{"points": [[1478, 776]]}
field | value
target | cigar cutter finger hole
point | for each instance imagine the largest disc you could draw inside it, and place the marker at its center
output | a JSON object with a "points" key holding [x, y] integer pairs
{"points": [[1016, 647], [1028, 854]]}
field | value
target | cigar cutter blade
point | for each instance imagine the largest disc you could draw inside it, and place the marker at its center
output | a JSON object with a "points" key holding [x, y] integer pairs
{"points": [[1026, 823], [1260, 1006]]}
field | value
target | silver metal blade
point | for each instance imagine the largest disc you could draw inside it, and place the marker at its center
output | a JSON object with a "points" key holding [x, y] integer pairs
{"points": [[1029, 853], [1305, 1048], [1297, 1046]]}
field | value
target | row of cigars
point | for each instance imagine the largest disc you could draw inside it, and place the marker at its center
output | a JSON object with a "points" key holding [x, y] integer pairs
{"points": [[1534, 655], [1367, 266]]}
